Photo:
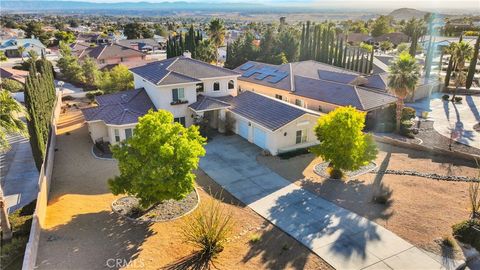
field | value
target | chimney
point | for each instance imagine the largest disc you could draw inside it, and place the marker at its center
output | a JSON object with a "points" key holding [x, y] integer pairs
{"points": [[187, 54]]}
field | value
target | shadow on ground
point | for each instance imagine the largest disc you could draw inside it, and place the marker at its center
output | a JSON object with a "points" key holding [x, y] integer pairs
{"points": [[120, 238]]}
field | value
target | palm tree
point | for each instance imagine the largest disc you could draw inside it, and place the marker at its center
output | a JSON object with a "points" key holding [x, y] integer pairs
{"points": [[216, 32], [10, 110], [461, 52], [402, 79], [206, 51], [21, 50], [33, 56]]}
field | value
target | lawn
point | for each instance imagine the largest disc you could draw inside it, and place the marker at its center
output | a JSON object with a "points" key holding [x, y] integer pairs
{"points": [[82, 232], [419, 210]]}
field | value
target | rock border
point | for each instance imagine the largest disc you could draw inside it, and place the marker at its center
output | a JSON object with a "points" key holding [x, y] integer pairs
{"points": [[97, 157], [150, 220], [434, 176], [320, 169]]}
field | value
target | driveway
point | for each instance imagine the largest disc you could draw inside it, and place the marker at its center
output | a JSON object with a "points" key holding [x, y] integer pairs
{"points": [[342, 238], [459, 118]]}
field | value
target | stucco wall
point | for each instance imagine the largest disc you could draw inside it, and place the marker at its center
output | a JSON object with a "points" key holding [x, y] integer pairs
{"points": [[224, 91], [121, 130], [284, 138], [98, 130], [287, 96]]}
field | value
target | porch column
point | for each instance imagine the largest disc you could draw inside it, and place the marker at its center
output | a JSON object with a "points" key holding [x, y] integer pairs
{"points": [[222, 118]]}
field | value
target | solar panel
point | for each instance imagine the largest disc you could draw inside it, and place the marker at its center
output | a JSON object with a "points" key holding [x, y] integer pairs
{"points": [[247, 66], [249, 73], [278, 77]]}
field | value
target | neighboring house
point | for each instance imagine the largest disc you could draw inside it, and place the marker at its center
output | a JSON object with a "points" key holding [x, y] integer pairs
{"points": [[9, 33], [143, 44], [396, 38], [315, 86], [199, 93], [10, 46], [111, 54], [13, 74]]}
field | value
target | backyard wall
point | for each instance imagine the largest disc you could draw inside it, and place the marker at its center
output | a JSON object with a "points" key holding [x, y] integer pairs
{"points": [[44, 179]]}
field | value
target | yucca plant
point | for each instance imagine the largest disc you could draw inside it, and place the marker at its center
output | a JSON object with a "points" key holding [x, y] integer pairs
{"points": [[474, 196], [208, 229]]}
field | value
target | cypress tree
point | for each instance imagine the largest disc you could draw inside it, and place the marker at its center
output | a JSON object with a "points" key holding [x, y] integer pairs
{"points": [[370, 66], [357, 63], [307, 40], [351, 55], [361, 64], [473, 64], [302, 44], [325, 46], [318, 53], [344, 61], [313, 48]]}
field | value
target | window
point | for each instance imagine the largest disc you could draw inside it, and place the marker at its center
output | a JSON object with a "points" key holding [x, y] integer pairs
{"points": [[231, 84], [117, 135], [277, 96], [122, 59], [320, 109], [199, 87], [299, 102], [216, 86], [128, 133], [102, 61], [178, 94], [301, 136], [180, 120]]}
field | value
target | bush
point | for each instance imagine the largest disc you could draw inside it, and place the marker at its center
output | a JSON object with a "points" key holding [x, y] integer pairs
{"points": [[406, 128], [12, 85], [458, 99], [334, 174], [208, 229], [255, 238], [92, 94], [408, 113], [448, 241], [468, 232], [293, 153], [445, 97]]}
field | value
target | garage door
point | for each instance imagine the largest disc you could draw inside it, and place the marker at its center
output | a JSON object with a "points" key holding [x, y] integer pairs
{"points": [[260, 138], [243, 129]]}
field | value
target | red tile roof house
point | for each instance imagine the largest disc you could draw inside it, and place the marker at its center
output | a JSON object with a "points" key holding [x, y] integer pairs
{"points": [[111, 54], [194, 91]]}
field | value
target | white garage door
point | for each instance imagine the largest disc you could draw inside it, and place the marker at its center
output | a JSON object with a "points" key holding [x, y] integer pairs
{"points": [[260, 138]]}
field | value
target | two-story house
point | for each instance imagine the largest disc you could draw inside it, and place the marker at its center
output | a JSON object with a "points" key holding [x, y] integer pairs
{"points": [[194, 91]]}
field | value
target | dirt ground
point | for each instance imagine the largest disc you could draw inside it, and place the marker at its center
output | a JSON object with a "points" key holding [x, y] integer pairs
{"points": [[419, 210], [81, 232]]}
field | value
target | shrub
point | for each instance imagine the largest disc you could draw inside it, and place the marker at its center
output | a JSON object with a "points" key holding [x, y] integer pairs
{"points": [[67, 98], [448, 241], [335, 174], [458, 99], [92, 94], [408, 113], [293, 153], [208, 229], [406, 128], [468, 232], [445, 97], [12, 85], [255, 238]]}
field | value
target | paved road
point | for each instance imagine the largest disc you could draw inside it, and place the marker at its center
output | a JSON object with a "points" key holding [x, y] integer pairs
{"points": [[459, 118], [19, 176], [342, 238]]}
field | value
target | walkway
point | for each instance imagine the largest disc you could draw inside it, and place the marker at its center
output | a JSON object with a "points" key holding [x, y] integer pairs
{"points": [[340, 237], [19, 176], [450, 116]]}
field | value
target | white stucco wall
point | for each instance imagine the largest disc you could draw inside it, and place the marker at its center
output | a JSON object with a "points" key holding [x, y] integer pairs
{"points": [[283, 139], [224, 91], [98, 130]]}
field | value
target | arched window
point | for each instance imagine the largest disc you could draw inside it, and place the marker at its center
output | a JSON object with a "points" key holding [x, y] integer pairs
{"points": [[231, 84], [216, 86]]}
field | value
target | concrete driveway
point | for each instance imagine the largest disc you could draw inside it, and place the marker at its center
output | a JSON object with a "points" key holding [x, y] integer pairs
{"points": [[342, 238], [448, 116]]}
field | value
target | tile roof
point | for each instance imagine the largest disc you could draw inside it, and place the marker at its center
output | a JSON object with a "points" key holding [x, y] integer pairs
{"points": [[268, 112], [341, 94], [14, 74], [25, 42], [206, 103], [179, 70], [109, 51], [377, 81], [120, 108], [337, 76], [140, 41]]}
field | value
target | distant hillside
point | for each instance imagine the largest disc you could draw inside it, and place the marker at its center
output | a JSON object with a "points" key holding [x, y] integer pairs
{"points": [[407, 13]]}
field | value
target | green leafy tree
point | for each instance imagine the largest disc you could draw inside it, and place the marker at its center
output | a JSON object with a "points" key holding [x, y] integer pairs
{"points": [[64, 36], [156, 163], [137, 30], [34, 29], [117, 79], [91, 73], [21, 51], [288, 43], [10, 122], [69, 65], [381, 26], [342, 141], [206, 51], [216, 33], [402, 79]]}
